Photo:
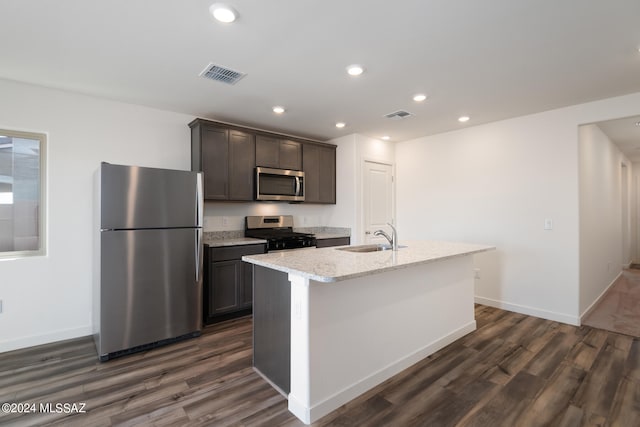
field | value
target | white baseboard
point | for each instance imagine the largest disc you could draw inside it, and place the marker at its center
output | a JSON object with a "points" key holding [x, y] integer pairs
{"points": [[530, 311], [593, 304], [51, 337], [310, 415]]}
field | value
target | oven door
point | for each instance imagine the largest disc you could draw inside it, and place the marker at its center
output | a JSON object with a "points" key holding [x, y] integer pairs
{"points": [[279, 184]]}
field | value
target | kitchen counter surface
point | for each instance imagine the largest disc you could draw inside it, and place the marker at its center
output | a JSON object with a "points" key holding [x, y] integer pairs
{"points": [[334, 265], [232, 241]]}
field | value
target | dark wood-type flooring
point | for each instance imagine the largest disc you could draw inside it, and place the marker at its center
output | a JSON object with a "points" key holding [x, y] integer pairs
{"points": [[514, 370]]}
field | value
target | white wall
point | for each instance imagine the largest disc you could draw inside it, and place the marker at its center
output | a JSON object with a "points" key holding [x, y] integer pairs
{"points": [[352, 151], [343, 214], [49, 298], [634, 188], [601, 228], [496, 184]]}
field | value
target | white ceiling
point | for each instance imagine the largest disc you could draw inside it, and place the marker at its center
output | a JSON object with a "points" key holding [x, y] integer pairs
{"points": [[491, 59]]}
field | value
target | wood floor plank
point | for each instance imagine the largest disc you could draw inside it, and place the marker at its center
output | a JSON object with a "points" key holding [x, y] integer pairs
{"points": [[585, 352], [572, 417], [632, 365], [554, 399], [517, 395], [597, 392], [626, 408], [546, 361]]}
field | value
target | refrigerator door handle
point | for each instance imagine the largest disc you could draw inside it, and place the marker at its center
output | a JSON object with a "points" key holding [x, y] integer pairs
{"points": [[200, 224], [199, 201], [199, 250]]}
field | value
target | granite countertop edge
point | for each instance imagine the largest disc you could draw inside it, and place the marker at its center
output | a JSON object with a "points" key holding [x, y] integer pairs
{"points": [[215, 243], [256, 259]]}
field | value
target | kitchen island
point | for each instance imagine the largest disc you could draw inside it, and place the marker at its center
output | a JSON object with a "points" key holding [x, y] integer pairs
{"points": [[330, 324]]}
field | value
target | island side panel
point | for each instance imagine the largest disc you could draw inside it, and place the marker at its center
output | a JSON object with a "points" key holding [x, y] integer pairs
{"points": [[272, 326], [349, 336]]}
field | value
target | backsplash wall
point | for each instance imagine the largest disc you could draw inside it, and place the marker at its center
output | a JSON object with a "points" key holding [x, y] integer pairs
{"points": [[225, 216]]}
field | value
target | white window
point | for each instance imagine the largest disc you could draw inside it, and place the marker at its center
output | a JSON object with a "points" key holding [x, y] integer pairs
{"points": [[22, 193]]}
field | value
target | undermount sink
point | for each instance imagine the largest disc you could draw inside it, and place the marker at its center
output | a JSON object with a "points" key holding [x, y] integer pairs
{"points": [[368, 248]]}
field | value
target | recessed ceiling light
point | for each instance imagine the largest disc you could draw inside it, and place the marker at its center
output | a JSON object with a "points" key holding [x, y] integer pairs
{"points": [[419, 97], [355, 70], [223, 13], [278, 109], [637, 123], [386, 137], [340, 125], [463, 119]]}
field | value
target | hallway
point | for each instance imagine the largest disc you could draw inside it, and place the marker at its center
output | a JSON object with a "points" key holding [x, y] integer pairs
{"points": [[619, 309]]}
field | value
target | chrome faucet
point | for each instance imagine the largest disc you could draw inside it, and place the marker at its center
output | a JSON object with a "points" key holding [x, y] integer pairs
{"points": [[393, 239]]}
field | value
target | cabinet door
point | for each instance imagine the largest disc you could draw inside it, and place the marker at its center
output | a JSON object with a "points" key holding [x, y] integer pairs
{"points": [[319, 173], [267, 152], [242, 152], [327, 185], [334, 241], [311, 163], [246, 297], [224, 292], [290, 155], [215, 163]]}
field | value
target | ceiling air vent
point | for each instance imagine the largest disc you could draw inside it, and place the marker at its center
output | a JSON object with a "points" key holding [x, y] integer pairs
{"points": [[398, 115], [222, 74]]}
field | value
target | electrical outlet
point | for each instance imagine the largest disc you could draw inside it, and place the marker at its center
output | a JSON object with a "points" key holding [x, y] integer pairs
{"points": [[476, 274], [225, 221]]}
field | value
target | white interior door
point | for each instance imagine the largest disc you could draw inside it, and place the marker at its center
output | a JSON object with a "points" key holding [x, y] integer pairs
{"points": [[377, 200]]}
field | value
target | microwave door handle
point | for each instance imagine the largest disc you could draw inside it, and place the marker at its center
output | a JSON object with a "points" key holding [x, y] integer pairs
{"points": [[297, 185]]}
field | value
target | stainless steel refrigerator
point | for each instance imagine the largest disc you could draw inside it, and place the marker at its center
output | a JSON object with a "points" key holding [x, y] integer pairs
{"points": [[148, 256]]}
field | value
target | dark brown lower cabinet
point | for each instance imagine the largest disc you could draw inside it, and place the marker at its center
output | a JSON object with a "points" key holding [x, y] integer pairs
{"points": [[333, 241], [228, 282]]}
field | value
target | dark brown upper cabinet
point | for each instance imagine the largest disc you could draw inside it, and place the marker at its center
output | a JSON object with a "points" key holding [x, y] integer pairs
{"points": [[319, 163], [228, 155], [227, 159], [278, 153]]}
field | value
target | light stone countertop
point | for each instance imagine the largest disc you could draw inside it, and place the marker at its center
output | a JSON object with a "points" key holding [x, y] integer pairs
{"points": [[333, 265], [232, 241]]}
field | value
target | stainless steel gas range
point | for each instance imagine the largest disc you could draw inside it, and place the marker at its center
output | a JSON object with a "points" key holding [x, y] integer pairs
{"points": [[278, 232]]}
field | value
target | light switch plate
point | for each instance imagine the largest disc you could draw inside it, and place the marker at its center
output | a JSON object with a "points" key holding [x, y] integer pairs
{"points": [[548, 224]]}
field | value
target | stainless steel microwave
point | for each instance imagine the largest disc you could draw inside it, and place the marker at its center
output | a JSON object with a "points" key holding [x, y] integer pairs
{"points": [[279, 184]]}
